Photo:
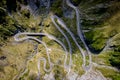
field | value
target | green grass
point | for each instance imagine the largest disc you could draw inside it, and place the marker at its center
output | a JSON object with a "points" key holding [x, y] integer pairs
{"points": [[96, 39], [102, 58], [16, 56], [110, 73]]}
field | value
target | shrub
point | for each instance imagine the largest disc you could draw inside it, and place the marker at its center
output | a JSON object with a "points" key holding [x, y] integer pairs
{"points": [[114, 59]]}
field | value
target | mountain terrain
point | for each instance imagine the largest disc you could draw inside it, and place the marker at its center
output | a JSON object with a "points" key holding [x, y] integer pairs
{"points": [[99, 22]]}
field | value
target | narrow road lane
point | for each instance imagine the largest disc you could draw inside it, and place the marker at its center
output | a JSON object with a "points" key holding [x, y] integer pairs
{"points": [[79, 31]]}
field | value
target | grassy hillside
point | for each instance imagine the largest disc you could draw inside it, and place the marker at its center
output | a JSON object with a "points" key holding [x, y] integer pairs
{"points": [[100, 19]]}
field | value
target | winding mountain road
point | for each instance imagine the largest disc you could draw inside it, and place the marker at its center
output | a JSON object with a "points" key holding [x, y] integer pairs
{"points": [[71, 34], [68, 41], [79, 31], [28, 37]]}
